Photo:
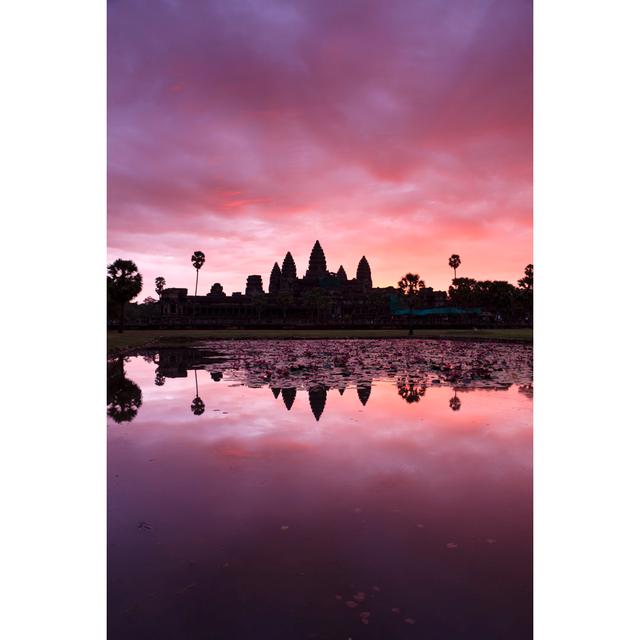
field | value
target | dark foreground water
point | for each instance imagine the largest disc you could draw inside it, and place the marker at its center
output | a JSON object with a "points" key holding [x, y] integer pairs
{"points": [[353, 489]]}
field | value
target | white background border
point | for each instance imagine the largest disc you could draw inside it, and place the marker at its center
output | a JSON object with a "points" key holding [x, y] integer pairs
{"points": [[53, 201]]}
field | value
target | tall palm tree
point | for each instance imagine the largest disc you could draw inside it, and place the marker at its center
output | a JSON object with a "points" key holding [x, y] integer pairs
{"points": [[197, 260], [160, 284], [197, 405], [124, 283], [410, 286], [454, 263]]}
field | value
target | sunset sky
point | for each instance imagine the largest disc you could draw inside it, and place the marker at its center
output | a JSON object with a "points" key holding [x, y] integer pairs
{"points": [[397, 130]]}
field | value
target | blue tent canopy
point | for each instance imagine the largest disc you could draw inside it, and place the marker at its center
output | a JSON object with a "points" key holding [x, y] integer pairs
{"points": [[398, 308]]}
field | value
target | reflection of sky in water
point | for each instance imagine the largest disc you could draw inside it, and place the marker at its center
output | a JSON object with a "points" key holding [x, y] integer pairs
{"points": [[264, 516]]}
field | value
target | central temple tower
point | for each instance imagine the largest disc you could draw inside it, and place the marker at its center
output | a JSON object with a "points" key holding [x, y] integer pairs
{"points": [[317, 263]]}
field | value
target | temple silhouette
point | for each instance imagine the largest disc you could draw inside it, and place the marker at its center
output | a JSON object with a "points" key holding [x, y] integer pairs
{"points": [[319, 296]]}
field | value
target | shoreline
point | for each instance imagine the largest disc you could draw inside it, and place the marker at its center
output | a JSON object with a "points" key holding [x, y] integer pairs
{"points": [[133, 339]]}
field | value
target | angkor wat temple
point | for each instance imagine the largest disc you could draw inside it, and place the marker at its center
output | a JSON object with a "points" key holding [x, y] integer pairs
{"points": [[320, 296]]}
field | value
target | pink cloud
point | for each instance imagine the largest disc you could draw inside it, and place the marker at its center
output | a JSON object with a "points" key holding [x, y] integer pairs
{"points": [[397, 130]]}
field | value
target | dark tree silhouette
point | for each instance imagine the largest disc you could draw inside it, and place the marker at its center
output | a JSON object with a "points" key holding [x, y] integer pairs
{"points": [[410, 391], [454, 263], [197, 406], [410, 286], [455, 403], [149, 300], [197, 260], [527, 282], [160, 284], [124, 283], [124, 397], [160, 379], [216, 376]]}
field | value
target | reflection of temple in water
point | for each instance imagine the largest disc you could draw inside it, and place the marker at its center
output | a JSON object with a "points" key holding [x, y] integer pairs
{"points": [[289, 395], [364, 391], [125, 397], [317, 400]]}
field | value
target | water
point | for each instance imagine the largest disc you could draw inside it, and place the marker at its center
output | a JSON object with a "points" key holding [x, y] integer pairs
{"points": [[321, 490]]}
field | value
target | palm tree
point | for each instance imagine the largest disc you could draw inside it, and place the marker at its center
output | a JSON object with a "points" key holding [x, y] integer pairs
{"points": [[124, 282], [197, 406], [410, 286], [197, 260], [160, 284], [454, 263]]}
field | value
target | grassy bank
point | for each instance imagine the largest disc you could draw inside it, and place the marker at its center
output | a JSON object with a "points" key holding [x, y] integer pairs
{"points": [[133, 339]]}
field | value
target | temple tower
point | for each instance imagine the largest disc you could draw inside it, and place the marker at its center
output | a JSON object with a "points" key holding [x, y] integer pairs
{"points": [[342, 274], [317, 263], [254, 286], [274, 279], [363, 274], [289, 273]]}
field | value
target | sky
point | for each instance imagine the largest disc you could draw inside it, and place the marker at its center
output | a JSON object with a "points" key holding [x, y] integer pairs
{"points": [[248, 128]]}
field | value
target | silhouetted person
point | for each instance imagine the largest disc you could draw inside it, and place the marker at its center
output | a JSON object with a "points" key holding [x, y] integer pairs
{"points": [[364, 391], [288, 396], [124, 397], [317, 400], [275, 391]]}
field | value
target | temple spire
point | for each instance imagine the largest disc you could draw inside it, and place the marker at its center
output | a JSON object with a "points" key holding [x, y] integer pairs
{"points": [[289, 272], [274, 279], [363, 274], [342, 274], [317, 262]]}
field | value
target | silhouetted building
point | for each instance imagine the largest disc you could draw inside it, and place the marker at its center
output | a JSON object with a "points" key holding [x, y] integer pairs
{"points": [[320, 297], [274, 279], [254, 286], [363, 274], [289, 273], [317, 264]]}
